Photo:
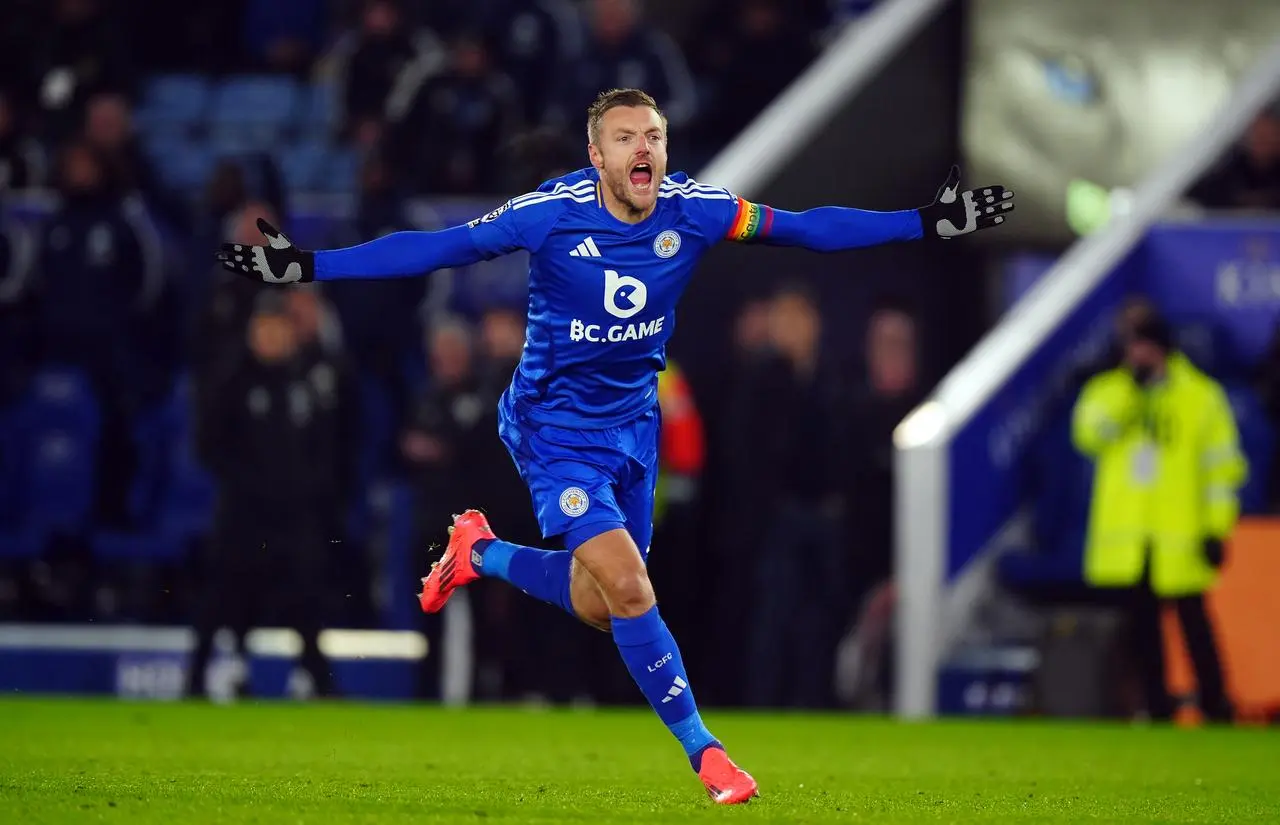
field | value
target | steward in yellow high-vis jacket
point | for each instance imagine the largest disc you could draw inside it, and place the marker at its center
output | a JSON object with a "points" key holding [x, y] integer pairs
{"points": [[1167, 470]]}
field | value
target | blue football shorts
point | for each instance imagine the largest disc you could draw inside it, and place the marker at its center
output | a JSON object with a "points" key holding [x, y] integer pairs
{"points": [[585, 482]]}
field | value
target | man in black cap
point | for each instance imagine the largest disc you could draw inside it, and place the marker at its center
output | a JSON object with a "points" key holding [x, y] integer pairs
{"points": [[1165, 499]]}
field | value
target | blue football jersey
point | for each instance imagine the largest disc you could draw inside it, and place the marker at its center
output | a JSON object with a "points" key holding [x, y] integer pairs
{"points": [[603, 293]]}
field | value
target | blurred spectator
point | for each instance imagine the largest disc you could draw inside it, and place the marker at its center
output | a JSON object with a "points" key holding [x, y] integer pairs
{"points": [[738, 83], [81, 53], [225, 192], [537, 44], [502, 335], [100, 275], [1168, 472], [218, 338], [536, 156], [1249, 176], [441, 427], [108, 128], [623, 52], [786, 411], [381, 319], [318, 330], [449, 137], [285, 35], [21, 158], [381, 67], [891, 390], [275, 433], [534, 43], [322, 358]]}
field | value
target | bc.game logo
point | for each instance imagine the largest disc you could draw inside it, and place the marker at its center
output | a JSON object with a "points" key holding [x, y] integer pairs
{"points": [[624, 296]]}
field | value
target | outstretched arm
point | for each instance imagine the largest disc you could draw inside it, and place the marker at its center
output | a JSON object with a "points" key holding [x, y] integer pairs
{"points": [[400, 254], [833, 228]]}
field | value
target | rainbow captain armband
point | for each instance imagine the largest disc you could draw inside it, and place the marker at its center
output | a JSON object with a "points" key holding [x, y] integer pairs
{"points": [[752, 221]]}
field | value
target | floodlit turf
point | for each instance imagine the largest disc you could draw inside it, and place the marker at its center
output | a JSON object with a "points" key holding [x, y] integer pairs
{"points": [[182, 764]]}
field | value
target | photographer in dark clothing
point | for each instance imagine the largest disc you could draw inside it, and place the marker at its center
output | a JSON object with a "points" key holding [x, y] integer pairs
{"points": [[274, 432]]}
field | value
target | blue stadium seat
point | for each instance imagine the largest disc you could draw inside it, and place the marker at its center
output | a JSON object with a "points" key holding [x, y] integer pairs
{"points": [[173, 497], [264, 105], [50, 454], [303, 166], [315, 167], [228, 139], [184, 166], [60, 465], [173, 104], [320, 116], [60, 473], [64, 398], [340, 172]]}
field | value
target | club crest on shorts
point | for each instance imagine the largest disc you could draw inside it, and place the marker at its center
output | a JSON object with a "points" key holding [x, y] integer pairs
{"points": [[574, 502], [667, 243]]}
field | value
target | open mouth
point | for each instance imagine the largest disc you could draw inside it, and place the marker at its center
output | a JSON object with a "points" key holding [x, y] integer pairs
{"points": [[642, 176]]}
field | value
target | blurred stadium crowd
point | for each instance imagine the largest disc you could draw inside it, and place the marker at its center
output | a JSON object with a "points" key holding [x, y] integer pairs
{"points": [[160, 421]]}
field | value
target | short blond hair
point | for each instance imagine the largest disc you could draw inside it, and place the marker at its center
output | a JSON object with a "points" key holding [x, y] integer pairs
{"points": [[613, 99]]}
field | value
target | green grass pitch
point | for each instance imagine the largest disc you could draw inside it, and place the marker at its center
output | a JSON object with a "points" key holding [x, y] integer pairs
{"points": [[140, 763]]}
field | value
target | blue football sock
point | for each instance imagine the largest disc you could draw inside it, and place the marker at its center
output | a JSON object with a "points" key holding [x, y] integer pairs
{"points": [[650, 653], [543, 574]]}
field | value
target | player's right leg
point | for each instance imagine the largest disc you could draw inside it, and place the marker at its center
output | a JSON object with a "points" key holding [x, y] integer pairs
{"points": [[570, 479]]}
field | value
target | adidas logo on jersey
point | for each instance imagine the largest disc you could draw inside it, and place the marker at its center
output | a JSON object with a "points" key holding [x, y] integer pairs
{"points": [[586, 249]]}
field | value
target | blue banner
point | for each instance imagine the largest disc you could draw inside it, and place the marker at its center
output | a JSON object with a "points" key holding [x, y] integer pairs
{"points": [[1224, 275]]}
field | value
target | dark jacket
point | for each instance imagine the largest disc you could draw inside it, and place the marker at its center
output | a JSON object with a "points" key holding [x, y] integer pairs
{"points": [[280, 436]]}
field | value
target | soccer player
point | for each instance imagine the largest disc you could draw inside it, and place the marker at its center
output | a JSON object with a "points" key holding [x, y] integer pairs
{"points": [[611, 249]]}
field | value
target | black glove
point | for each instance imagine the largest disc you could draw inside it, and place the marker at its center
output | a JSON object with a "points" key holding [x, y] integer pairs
{"points": [[1214, 552], [959, 213], [280, 262]]}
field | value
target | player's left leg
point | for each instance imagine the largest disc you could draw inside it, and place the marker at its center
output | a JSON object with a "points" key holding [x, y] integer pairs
{"points": [[618, 563], [653, 659]]}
